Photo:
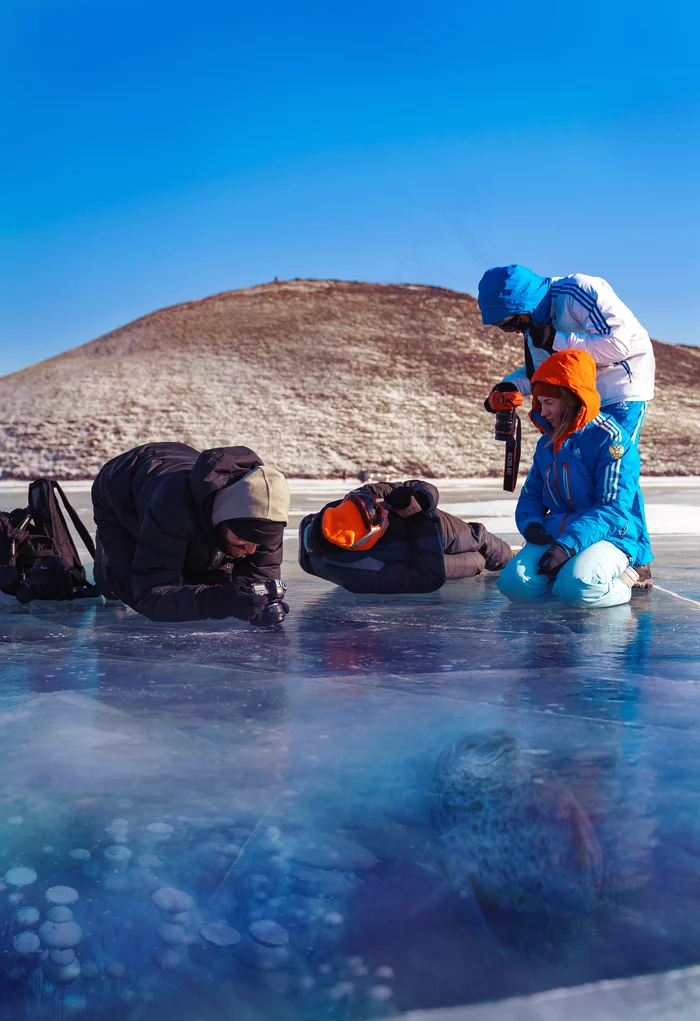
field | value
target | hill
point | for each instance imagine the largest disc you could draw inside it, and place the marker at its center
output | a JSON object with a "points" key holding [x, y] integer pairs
{"points": [[320, 377]]}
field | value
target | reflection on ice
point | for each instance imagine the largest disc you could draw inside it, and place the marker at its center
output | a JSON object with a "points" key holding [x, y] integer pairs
{"points": [[390, 805]]}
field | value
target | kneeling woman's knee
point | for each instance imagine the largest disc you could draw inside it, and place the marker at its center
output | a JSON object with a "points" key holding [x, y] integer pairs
{"points": [[519, 580], [584, 583]]}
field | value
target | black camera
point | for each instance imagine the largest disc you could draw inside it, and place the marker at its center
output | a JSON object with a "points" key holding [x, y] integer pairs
{"points": [[506, 424], [276, 610], [47, 579]]}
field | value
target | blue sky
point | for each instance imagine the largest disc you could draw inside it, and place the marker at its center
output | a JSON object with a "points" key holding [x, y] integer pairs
{"points": [[157, 153]]}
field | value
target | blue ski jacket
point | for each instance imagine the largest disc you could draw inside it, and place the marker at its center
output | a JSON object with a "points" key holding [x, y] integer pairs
{"points": [[585, 492], [583, 488]]}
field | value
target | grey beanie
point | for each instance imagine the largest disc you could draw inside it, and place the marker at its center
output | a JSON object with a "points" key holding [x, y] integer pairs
{"points": [[263, 494]]}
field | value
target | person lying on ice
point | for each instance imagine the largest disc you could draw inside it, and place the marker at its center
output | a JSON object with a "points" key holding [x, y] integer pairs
{"points": [[576, 508], [183, 535], [390, 537], [578, 313]]}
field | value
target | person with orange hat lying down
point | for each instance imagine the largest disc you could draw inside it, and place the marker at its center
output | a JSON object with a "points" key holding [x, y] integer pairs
{"points": [[391, 537], [576, 509]]}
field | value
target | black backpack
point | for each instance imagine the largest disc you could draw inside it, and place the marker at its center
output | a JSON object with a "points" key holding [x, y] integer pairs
{"points": [[38, 558]]}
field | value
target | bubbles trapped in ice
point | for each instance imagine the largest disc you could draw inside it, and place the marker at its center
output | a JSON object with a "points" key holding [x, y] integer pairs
{"points": [[219, 934], [115, 970], [59, 914], [168, 960], [61, 935], [79, 854], [15, 820], [117, 854], [228, 850], [160, 830], [90, 970], [262, 958], [168, 898], [341, 990], [59, 973], [118, 830], [62, 956], [381, 992], [63, 895], [179, 918], [269, 933], [327, 851], [20, 876], [27, 916], [174, 935], [26, 943]]}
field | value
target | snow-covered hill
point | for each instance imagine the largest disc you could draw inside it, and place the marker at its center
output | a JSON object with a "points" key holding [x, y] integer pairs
{"points": [[320, 377]]}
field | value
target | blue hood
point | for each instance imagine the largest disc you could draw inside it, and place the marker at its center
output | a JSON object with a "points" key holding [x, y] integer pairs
{"points": [[507, 290]]}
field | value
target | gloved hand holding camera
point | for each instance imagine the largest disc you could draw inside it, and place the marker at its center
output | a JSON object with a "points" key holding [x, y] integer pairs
{"points": [[498, 400], [276, 609], [259, 602]]}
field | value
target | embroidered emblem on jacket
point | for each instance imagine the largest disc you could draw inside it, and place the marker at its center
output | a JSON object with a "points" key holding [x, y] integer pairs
{"points": [[616, 451]]}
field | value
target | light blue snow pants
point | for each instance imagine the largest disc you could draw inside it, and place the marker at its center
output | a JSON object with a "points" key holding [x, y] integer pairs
{"points": [[630, 415], [590, 579]]}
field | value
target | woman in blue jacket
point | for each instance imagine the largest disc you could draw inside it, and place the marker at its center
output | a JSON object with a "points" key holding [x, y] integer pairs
{"points": [[577, 508]]}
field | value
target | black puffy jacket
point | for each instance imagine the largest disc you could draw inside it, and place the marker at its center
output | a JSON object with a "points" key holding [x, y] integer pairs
{"points": [[153, 509], [411, 554]]}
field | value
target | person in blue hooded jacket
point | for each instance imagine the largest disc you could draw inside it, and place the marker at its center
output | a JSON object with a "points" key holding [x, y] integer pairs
{"points": [[575, 509], [577, 313]]}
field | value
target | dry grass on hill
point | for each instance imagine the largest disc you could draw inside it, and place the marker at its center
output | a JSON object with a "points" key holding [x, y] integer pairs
{"points": [[320, 377]]}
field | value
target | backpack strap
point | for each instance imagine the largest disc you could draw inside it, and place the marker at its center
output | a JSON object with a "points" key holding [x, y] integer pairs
{"points": [[77, 523]]}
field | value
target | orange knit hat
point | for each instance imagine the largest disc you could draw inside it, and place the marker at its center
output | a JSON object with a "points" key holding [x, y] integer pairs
{"points": [[346, 526]]}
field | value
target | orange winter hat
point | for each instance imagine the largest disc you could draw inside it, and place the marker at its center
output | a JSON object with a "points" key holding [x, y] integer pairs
{"points": [[574, 370], [346, 526]]}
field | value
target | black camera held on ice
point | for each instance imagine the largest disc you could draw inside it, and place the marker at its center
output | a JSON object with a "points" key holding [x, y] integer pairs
{"points": [[276, 609], [503, 400], [49, 578]]}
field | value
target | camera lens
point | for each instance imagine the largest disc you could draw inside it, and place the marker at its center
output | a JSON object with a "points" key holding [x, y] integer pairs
{"points": [[24, 593], [505, 424]]}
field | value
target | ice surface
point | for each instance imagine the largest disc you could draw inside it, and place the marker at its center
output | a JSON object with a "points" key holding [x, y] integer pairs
{"points": [[439, 800]]}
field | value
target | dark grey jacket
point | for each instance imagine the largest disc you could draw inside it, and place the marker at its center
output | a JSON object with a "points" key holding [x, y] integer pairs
{"points": [[415, 554], [153, 508]]}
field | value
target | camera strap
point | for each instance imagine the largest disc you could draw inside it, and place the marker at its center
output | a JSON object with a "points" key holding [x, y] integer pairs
{"points": [[512, 458]]}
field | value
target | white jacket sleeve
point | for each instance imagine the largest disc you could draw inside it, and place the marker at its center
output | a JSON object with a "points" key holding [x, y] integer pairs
{"points": [[519, 379], [604, 335]]}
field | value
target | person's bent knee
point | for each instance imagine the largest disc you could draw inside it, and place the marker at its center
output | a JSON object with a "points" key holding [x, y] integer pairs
{"points": [[519, 581], [585, 583]]}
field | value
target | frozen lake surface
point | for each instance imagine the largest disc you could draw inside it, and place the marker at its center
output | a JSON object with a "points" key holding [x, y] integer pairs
{"points": [[389, 806]]}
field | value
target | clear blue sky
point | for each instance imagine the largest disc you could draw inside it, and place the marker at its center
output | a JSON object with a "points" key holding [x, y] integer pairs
{"points": [[158, 152]]}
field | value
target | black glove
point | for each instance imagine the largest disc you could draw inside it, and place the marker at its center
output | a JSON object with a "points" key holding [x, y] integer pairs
{"points": [[399, 498], [537, 534], [499, 388], [241, 601], [554, 559], [542, 336], [272, 615]]}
